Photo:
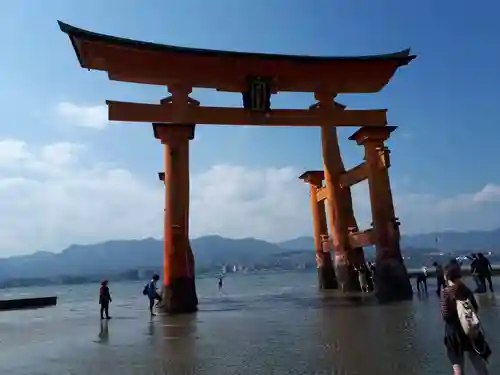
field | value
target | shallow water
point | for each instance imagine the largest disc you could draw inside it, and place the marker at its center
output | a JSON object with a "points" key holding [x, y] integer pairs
{"points": [[258, 324]]}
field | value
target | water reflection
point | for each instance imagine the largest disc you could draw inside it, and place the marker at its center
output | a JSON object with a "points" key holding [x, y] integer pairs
{"points": [[151, 328], [486, 300], [103, 332], [255, 329], [179, 343], [375, 340]]}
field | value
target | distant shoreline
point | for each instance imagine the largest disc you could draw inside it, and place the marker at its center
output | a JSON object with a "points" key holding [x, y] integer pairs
{"points": [[465, 271], [26, 283], [92, 279]]}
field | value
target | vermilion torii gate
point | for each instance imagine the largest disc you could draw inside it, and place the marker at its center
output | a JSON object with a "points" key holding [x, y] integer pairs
{"points": [[257, 77]]}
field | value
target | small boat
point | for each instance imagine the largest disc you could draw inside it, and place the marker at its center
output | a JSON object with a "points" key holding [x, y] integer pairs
{"points": [[28, 303]]}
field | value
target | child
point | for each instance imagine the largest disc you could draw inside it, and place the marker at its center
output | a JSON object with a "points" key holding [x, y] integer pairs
{"points": [[104, 299]]}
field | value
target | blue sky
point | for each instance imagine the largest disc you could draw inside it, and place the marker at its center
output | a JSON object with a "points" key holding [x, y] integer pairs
{"points": [[445, 104]]}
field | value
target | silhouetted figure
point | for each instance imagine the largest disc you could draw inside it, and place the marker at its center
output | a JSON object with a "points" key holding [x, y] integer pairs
{"points": [[485, 270], [474, 270], [422, 280], [373, 269], [220, 282], [439, 278], [458, 301], [104, 299], [370, 277], [363, 277], [151, 291]]}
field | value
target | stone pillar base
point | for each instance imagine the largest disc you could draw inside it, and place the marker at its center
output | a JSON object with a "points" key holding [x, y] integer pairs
{"points": [[392, 281], [347, 278], [326, 278], [180, 296]]}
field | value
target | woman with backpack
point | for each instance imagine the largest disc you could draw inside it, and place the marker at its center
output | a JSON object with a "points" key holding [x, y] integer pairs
{"points": [[463, 332], [150, 290]]}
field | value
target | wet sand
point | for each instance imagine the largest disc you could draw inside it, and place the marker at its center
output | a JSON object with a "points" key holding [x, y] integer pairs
{"points": [[268, 324]]}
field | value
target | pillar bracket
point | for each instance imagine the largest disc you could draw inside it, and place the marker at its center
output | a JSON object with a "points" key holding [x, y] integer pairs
{"points": [[372, 134], [173, 132]]}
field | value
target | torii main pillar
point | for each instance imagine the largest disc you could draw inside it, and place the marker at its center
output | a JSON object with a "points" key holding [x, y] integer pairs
{"points": [[179, 290], [340, 213], [324, 265], [391, 276]]}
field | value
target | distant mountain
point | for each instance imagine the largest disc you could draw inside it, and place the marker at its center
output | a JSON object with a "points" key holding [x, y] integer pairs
{"points": [[211, 252], [299, 243], [450, 241], [119, 256], [439, 241]]}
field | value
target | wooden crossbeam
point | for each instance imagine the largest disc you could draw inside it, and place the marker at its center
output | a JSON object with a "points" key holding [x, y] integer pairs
{"points": [[321, 194], [361, 239], [358, 239], [351, 177], [354, 175], [164, 113]]}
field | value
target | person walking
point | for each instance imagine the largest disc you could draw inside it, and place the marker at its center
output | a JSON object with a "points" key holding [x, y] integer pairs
{"points": [[439, 278], [151, 291], [462, 333], [363, 278], [422, 280], [373, 269], [370, 277], [104, 299], [474, 270], [485, 271]]}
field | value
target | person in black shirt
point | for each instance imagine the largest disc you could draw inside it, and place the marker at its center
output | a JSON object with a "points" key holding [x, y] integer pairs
{"points": [[439, 278], [484, 268], [474, 270]]}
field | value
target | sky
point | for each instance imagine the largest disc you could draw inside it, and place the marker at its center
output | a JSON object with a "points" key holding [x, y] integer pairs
{"points": [[69, 176]]}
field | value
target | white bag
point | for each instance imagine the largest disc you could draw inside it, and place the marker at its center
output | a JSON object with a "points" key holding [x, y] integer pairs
{"points": [[468, 318]]}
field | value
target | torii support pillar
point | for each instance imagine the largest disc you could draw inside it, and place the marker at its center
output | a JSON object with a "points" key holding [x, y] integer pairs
{"points": [[391, 275], [340, 213], [179, 290], [324, 265]]}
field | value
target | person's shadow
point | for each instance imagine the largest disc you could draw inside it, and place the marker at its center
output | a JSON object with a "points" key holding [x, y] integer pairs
{"points": [[103, 337]]}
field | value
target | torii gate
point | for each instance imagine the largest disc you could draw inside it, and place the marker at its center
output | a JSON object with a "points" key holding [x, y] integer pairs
{"points": [[256, 77]]}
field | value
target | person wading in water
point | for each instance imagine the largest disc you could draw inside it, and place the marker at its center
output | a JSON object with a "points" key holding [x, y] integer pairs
{"points": [[104, 299], [463, 333]]}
